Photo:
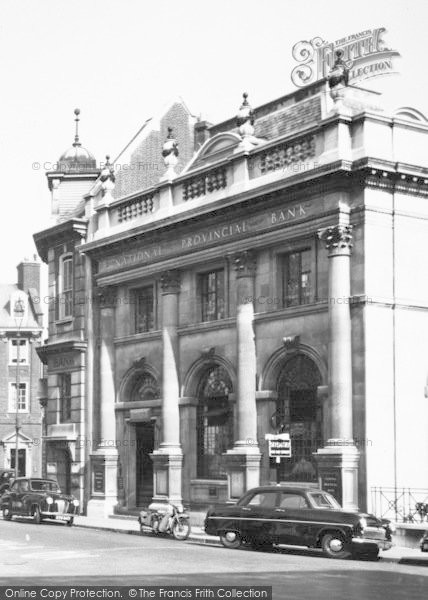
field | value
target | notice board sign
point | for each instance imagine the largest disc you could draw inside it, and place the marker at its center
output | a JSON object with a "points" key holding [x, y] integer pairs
{"points": [[279, 445]]}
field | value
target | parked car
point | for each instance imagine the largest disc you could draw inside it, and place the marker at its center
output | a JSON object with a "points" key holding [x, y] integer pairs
{"points": [[39, 499], [6, 478], [297, 516], [423, 544]]}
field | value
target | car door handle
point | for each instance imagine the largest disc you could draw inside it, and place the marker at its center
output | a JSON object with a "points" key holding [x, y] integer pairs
{"points": [[247, 509], [280, 510]]}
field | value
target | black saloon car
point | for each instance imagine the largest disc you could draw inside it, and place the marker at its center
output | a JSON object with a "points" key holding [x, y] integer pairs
{"points": [[300, 517], [39, 499]]}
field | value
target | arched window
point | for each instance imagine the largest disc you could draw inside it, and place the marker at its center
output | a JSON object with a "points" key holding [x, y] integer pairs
{"points": [[299, 413], [65, 286], [214, 422]]}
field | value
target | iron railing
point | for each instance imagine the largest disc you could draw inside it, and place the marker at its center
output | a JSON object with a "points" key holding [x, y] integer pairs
{"points": [[402, 505]]}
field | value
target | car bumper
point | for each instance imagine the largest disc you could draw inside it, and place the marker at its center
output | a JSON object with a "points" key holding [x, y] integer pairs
{"points": [[57, 515], [361, 543]]}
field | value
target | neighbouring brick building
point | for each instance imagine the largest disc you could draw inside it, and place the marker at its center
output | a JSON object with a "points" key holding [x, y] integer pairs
{"points": [[20, 335], [269, 282]]}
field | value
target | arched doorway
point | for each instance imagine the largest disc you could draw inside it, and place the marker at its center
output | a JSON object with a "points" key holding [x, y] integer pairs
{"points": [[145, 388], [299, 412], [214, 422]]}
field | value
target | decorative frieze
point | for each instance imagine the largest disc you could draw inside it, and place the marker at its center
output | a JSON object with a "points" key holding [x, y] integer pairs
{"points": [[132, 209], [206, 183], [170, 282], [282, 156]]}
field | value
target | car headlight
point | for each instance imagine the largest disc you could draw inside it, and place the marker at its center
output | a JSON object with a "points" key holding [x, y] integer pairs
{"points": [[76, 502], [49, 500]]}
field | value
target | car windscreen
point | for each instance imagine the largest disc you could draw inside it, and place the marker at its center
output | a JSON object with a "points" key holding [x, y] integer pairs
{"points": [[44, 486], [325, 501]]}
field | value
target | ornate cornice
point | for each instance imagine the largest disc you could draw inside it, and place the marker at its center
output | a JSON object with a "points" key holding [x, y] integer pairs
{"points": [[170, 282], [337, 239], [245, 263]]}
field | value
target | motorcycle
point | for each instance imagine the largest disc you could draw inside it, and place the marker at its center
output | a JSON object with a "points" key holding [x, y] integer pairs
{"points": [[166, 519]]}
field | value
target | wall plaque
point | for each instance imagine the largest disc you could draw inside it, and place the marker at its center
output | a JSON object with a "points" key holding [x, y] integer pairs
{"points": [[331, 482], [98, 479]]}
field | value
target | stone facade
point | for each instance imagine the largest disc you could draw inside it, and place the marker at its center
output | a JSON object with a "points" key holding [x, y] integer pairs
{"points": [[269, 286]]}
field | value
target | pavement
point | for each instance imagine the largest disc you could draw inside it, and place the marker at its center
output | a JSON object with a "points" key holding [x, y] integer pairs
{"points": [[129, 525]]}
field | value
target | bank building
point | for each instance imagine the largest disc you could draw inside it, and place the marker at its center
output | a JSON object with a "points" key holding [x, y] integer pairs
{"points": [[260, 275]]}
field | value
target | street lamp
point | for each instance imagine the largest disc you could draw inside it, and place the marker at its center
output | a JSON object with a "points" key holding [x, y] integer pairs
{"points": [[18, 315]]}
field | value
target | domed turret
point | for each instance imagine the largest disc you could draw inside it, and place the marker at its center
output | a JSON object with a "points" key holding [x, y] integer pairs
{"points": [[77, 158]]}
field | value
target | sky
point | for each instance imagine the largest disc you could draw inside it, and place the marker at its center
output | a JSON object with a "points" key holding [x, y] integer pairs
{"points": [[119, 61]]}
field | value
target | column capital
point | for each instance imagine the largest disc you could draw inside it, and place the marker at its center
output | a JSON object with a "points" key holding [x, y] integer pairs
{"points": [[106, 296], [337, 239], [170, 282], [245, 263]]}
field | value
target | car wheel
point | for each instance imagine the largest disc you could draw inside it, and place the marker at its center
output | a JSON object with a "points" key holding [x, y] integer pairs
{"points": [[231, 539], [37, 517], [70, 522], [334, 546], [7, 515]]}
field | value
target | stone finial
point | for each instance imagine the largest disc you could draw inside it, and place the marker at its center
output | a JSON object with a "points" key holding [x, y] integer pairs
{"points": [[107, 178], [338, 80], [245, 123], [170, 154], [77, 119], [339, 74], [245, 118]]}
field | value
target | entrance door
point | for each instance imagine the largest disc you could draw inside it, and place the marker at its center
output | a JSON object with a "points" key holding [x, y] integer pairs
{"points": [[145, 437], [299, 413], [63, 471], [21, 461]]}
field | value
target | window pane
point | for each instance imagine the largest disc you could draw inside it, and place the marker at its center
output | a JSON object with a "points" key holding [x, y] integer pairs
{"points": [[212, 295], [65, 397], [22, 403], [144, 309], [297, 278]]}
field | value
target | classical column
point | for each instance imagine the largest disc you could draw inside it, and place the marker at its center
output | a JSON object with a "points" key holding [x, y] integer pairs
{"points": [[168, 459], [243, 461], [338, 460], [104, 459]]}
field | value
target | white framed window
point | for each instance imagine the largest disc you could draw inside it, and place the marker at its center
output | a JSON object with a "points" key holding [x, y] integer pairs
{"points": [[23, 398], [13, 351], [65, 286]]}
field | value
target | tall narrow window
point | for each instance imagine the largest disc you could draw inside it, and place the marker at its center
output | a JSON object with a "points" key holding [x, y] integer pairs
{"points": [[66, 287], [22, 399], [297, 278], [23, 351], [212, 295], [144, 309], [65, 397]]}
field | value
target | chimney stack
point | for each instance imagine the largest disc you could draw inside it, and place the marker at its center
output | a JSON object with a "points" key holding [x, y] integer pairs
{"points": [[29, 275]]}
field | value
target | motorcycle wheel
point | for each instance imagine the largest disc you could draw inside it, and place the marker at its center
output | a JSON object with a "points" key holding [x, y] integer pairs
{"points": [[181, 529]]}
